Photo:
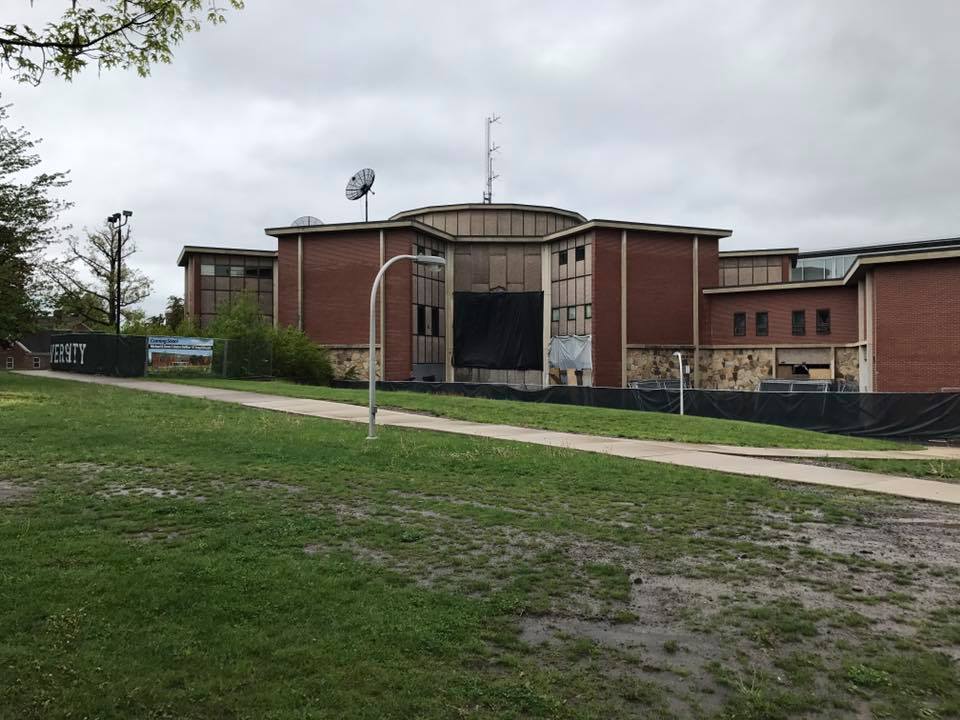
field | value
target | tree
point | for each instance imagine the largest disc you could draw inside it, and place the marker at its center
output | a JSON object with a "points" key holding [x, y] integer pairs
{"points": [[94, 300], [112, 33], [175, 313], [27, 225]]}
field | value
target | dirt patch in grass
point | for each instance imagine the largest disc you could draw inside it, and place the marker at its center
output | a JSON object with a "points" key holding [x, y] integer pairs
{"points": [[12, 492]]}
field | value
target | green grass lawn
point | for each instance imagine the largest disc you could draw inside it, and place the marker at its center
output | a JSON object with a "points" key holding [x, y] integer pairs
{"points": [[568, 418], [164, 557], [943, 470]]}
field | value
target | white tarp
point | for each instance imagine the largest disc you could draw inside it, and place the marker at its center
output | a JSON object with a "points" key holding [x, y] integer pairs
{"points": [[571, 352]]}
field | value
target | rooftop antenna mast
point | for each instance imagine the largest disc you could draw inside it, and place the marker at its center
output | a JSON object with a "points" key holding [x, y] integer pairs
{"points": [[490, 150]]}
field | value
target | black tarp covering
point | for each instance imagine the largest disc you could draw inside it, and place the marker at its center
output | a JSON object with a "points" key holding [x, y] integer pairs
{"points": [[99, 354], [498, 331], [918, 416]]}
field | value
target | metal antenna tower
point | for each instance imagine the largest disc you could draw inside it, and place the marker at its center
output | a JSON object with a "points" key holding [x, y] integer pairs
{"points": [[490, 149]]}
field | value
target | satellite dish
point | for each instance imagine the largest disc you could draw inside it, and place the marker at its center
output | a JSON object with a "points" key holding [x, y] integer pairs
{"points": [[306, 221], [359, 186]]}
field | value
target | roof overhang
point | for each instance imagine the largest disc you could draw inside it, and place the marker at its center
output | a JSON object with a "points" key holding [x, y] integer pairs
{"points": [[639, 227], [203, 250], [487, 206], [759, 253], [861, 264], [278, 232], [800, 285]]}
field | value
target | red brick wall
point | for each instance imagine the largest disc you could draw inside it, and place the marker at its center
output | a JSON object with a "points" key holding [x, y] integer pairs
{"points": [[287, 281], [917, 326], [607, 365], [709, 276], [398, 291], [659, 288], [780, 304], [22, 360], [338, 271]]}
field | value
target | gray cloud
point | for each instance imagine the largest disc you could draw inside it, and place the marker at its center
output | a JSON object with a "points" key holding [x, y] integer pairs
{"points": [[814, 124]]}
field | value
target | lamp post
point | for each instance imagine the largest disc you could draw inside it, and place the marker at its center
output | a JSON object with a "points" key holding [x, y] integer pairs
{"points": [[680, 362], [372, 370], [114, 221]]}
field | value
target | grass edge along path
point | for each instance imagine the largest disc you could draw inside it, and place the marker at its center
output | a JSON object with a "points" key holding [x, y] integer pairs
{"points": [[631, 424]]}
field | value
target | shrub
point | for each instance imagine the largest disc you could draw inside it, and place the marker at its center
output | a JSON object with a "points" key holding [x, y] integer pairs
{"points": [[295, 357]]}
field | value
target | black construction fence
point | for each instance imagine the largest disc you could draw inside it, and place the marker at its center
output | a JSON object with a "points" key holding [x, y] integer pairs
{"points": [[901, 416], [131, 356]]}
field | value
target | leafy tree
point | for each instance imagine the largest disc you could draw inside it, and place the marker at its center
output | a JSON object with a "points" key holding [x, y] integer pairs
{"points": [[71, 309], [137, 323], [94, 300], [175, 313], [111, 33], [296, 357], [28, 216]]}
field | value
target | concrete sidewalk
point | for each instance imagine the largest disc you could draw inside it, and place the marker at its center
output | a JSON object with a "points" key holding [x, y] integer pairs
{"points": [[736, 460]]}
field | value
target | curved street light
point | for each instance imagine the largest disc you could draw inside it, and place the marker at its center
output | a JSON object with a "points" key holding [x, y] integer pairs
{"points": [[372, 370]]}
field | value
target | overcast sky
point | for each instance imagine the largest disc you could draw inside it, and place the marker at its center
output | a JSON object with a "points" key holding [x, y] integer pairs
{"points": [[810, 124]]}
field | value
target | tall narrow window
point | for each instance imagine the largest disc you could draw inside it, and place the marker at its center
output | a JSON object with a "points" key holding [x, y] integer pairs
{"points": [[763, 324], [588, 311], [36, 362], [555, 315], [823, 322], [9, 362], [580, 253], [739, 324], [572, 313], [799, 322], [563, 257], [435, 320], [421, 320]]}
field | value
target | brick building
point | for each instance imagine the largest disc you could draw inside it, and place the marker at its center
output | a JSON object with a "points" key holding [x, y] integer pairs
{"points": [[614, 300]]}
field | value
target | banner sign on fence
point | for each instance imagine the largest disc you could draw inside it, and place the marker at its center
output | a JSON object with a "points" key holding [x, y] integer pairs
{"points": [[98, 353], [178, 353]]}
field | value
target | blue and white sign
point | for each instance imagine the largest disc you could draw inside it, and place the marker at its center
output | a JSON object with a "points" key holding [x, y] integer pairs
{"points": [[167, 352]]}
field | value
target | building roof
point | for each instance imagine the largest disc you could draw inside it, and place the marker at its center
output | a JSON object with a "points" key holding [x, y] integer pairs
{"points": [[646, 227], [486, 206], [915, 245], [347, 227], [206, 250], [760, 252]]}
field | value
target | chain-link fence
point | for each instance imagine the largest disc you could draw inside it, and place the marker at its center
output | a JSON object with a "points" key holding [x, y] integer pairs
{"points": [[250, 357]]}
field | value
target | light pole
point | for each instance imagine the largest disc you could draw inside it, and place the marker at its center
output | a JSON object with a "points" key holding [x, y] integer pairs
{"points": [[114, 222], [372, 370], [680, 361]]}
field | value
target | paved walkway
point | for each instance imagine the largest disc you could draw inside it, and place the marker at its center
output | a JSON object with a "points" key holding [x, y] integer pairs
{"points": [[736, 460]]}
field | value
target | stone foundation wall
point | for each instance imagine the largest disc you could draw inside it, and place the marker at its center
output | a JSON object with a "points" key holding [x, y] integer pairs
{"points": [[735, 369], [652, 363], [350, 362], [847, 364]]}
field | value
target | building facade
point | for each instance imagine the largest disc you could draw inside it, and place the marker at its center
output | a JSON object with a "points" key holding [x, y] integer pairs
{"points": [[536, 295]]}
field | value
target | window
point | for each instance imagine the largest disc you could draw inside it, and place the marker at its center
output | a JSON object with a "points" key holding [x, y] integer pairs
{"points": [[739, 324], [36, 362], [222, 270], [823, 322], [9, 362], [563, 257], [420, 250], [572, 312], [555, 315], [435, 320], [421, 320], [580, 253], [799, 322], [588, 311], [763, 324], [206, 269], [236, 271]]}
